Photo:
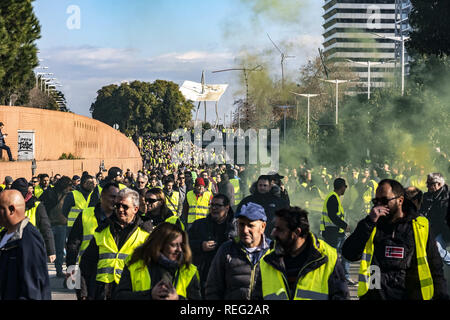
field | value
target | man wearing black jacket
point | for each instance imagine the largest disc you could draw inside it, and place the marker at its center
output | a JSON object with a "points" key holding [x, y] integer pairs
{"points": [[38, 218], [77, 236], [207, 235], [263, 196], [398, 252], [125, 227]]}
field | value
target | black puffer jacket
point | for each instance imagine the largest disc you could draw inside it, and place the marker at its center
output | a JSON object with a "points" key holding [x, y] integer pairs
{"points": [[206, 230], [231, 274], [434, 207], [399, 276]]}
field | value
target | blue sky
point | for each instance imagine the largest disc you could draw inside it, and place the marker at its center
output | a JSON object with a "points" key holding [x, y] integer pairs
{"points": [[172, 40]]}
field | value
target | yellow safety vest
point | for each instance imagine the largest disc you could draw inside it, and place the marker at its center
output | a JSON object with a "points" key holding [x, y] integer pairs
{"points": [[237, 191], [326, 221], [141, 281], [2, 187], [38, 191], [89, 225], [80, 204], [112, 260], [31, 213], [419, 182], [368, 195], [198, 208], [172, 201], [311, 286], [175, 220], [421, 230]]}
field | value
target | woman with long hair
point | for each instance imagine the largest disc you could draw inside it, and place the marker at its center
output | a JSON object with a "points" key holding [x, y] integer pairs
{"points": [[161, 269]]}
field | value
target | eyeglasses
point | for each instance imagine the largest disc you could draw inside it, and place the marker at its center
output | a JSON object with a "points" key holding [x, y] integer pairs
{"points": [[383, 201], [151, 201], [35, 181], [217, 205], [120, 205]]}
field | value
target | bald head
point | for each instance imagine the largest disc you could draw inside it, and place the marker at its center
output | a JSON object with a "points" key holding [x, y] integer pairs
{"points": [[12, 209]]}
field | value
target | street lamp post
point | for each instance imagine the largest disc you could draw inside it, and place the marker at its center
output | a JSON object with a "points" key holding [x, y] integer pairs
{"points": [[402, 40], [309, 96], [369, 64], [337, 82], [285, 108]]}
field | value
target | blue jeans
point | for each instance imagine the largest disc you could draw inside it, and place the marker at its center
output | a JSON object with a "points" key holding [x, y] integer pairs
{"points": [[345, 262], [441, 245], [59, 233]]}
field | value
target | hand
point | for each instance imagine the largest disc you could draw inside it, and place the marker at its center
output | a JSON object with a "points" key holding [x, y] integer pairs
{"points": [[52, 258], [378, 212], [208, 245], [164, 291]]}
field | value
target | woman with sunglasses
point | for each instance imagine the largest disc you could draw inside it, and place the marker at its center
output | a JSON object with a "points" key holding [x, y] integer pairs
{"points": [[157, 210], [161, 269]]}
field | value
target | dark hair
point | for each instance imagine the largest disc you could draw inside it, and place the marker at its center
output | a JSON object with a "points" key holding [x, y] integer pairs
{"points": [[85, 177], [1, 124], [397, 188], [225, 199], [63, 183], [168, 179], [43, 175], [264, 177], [296, 218], [109, 185]]}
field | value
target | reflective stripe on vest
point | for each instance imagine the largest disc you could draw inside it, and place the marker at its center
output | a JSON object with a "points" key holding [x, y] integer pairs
{"points": [[31, 213], [311, 286], [89, 225], [111, 261], [237, 191], [198, 208], [80, 204], [421, 229], [172, 204], [326, 221], [141, 281]]}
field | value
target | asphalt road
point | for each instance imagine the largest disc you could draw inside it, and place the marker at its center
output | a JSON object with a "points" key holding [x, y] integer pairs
{"points": [[59, 292]]}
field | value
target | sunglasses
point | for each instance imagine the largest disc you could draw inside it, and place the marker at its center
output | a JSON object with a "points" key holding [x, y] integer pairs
{"points": [[151, 201], [35, 181], [383, 201], [217, 205], [120, 205]]}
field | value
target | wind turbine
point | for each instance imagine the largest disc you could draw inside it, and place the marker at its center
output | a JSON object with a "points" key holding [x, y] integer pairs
{"points": [[283, 58]]}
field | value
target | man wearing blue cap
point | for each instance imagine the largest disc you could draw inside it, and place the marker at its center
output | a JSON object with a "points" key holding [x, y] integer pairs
{"points": [[235, 267]]}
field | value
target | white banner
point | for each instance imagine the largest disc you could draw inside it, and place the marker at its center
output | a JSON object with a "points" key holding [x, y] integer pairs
{"points": [[25, 145], [211, 92]]}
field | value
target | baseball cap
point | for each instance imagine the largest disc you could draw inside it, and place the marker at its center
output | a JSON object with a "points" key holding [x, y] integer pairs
{"points": [[114, 172], [76, 178], [252, 211], [275, 175]]}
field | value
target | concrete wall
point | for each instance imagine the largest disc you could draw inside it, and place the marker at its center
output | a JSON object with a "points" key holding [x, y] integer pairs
{"points": [[89, 140]]}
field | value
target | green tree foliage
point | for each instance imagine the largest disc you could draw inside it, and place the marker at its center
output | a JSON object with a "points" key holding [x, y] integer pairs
{"points": [[431, 30], [142, 107], [19, 29]]}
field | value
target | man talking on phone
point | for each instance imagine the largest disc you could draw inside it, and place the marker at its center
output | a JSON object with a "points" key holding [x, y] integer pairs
{"points": [[398, 253]]}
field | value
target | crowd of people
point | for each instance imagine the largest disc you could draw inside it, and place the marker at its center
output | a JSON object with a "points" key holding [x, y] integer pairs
{"points": [[180, 231]]}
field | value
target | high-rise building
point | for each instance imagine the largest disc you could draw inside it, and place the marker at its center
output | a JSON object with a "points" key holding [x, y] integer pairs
{"points": [[351, 29]]}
